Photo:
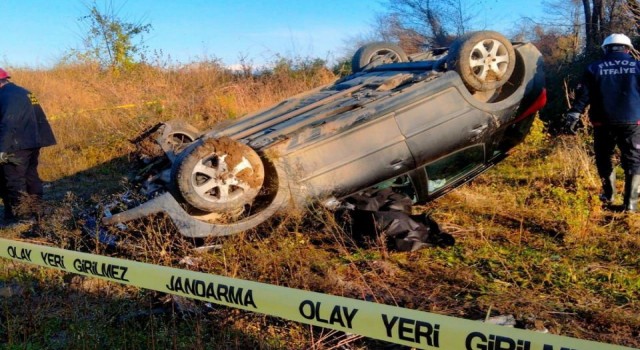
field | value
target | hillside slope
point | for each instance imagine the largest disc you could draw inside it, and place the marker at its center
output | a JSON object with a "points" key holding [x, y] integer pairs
{"points": [[531, 238]]}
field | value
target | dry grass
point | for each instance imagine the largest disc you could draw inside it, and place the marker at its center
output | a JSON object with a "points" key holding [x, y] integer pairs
{"points": [[94, 113], [531, 238]]}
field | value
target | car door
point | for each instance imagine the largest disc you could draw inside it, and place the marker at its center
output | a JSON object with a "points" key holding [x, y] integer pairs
{"points": [[442, 123], [354, 159]]}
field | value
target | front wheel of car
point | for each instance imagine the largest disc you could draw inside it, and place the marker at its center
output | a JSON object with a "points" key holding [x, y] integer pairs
{"points": [[374, 54], [484, 60], [220, 175]]}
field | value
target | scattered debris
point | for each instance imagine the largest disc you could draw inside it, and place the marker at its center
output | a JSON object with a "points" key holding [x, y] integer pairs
{"points": [[99, 232], [502, 320], [190, 261], [184, 305]]}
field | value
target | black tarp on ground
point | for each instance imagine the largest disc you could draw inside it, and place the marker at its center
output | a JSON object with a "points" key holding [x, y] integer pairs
{"points": [[376, 213]]}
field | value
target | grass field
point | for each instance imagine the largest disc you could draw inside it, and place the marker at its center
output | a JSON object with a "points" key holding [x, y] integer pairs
{"points": [[532, 240]]}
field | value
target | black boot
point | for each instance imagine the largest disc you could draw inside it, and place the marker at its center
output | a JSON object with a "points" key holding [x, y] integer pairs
{"points": [[608, 188], [631, 187]]}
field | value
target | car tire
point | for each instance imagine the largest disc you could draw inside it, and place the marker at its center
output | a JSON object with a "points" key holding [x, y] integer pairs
{"points": [[176, 136], [218, 175], [484, 60], [377, 53]]}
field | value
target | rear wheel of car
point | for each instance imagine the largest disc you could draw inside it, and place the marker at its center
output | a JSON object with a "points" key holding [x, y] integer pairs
{"points": [[374, 54], [485, 60], [218, 175], [176, 136]]}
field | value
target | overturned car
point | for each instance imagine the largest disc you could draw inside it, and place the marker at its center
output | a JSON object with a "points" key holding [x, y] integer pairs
{"points": [[423, 124]]}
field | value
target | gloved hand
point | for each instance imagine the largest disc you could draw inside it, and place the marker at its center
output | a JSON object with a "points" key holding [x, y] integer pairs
{"points": [[570, 121], [9, 158]]}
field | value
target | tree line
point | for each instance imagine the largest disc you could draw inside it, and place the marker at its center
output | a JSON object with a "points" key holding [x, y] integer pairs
{"points": [[569, 35]]}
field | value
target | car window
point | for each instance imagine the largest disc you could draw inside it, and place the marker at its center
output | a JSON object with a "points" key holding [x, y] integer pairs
{"points": [[452, 167]]}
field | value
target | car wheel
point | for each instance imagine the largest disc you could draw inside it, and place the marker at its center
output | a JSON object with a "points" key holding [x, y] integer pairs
{"points": [[219, 175], [485, 60], [273, 196], [375, 54], [176, 136]]}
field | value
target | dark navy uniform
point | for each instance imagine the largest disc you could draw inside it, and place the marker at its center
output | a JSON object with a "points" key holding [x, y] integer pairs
{"points": [[24, 129], [611, 86]]}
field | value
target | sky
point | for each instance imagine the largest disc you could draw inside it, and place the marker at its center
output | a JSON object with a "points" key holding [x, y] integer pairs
{"points": [[37, 33]]}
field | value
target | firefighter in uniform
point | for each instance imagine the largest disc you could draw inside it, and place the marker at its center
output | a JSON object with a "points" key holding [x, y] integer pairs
{"points": [[24, 129], [611, 86]]}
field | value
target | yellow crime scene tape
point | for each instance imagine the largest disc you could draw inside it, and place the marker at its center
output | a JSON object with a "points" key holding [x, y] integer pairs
{"points": [[125, 106], [413, 328]]}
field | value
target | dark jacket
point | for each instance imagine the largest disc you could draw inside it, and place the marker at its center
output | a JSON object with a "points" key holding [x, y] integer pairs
{"points": [[612, 87], [23, 124]]}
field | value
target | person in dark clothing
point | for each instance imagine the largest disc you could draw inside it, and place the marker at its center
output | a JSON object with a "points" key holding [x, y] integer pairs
{"points": [[24, 129], [611, 86]]}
